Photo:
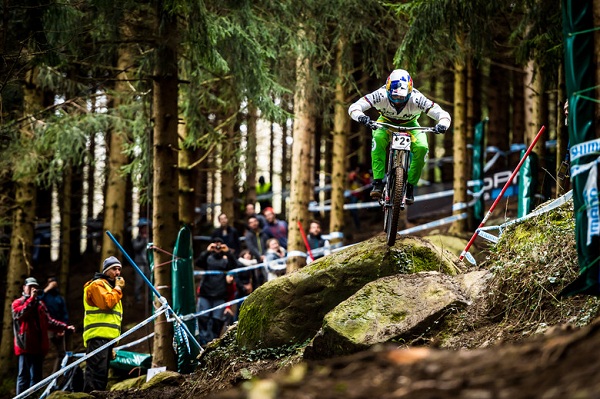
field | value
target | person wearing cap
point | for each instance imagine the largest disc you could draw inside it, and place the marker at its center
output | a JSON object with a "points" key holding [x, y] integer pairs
{"points": [[214, 288], [140, 245], [102, 321], [31, 323], [276, 228]]}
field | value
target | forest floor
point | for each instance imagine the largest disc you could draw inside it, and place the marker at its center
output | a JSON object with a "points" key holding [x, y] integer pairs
{"points": [[541, 349]]}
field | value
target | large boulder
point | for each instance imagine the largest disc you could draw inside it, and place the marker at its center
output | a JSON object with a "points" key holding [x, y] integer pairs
{"points": [[290, 309], [392, 308]]}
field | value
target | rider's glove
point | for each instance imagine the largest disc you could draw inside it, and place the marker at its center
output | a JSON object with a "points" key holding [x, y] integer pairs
{"points": [[440, 129], [365, 120]]}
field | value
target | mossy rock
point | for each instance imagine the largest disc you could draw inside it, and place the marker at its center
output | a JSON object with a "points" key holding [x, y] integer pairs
{"points": [[290, 309], [129, 383], [392, 308], [170, 378], [69, 395], [453, 244]]}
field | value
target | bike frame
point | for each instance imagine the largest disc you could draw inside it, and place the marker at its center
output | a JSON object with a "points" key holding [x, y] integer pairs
{"points": [[393, 199]]}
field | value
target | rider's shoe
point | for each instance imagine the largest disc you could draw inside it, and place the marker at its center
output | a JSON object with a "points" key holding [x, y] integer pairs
{"points": [[377, 188], [410, 198]]}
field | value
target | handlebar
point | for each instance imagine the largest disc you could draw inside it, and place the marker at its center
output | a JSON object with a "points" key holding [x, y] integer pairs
{"points": [[389, 126]]}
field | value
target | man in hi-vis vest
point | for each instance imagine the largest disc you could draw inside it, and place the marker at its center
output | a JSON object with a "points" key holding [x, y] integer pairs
{"points": [[102, 322]]}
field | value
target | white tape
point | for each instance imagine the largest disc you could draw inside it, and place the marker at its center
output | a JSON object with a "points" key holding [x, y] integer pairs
{"points": [[435, 223], [488, 236]]}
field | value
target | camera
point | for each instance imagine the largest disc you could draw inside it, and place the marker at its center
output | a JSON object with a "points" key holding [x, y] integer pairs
{"points": [[218, 247]]}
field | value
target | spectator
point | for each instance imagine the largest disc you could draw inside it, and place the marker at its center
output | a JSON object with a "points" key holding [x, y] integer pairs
{"points": [[31, 322], [213, 288], [276, 228], [251, 212], [264, 191], [316, 241], [140, 245], [275, 253], [57, 308], [228, 234], [102, 321], [256, 239]]}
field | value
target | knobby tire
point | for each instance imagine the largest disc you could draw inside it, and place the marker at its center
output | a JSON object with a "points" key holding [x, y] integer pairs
{"points": [[398, 181]]}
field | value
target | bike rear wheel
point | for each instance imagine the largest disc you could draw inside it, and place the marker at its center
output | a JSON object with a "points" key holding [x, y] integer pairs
{"points": [[396, 182]]}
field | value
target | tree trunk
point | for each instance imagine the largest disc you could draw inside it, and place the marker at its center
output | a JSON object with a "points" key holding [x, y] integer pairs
{"points": [[251, 155], [23, 222], [116, 187], [341, 127], [518, 100], [285, 162], [228, 170], [499, 125], [303, 132], [447, 173], [472, 119], [91, 183], [562, 137], [65, 225], [165, 203], [531, 102], [460, 146], [186, 190]]}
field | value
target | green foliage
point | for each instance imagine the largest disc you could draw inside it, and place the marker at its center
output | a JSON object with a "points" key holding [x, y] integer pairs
{"points": [[532, 263], [444, 31], [538, 36], [63, 141]]}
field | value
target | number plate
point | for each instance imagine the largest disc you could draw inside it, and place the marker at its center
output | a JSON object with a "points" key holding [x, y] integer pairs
{"points": [[401, 141]]}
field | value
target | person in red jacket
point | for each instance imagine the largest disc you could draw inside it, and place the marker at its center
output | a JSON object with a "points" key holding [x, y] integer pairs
{"points": [[31, 322]]}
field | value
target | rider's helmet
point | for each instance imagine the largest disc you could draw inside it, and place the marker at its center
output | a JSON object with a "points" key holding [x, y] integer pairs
{"points": [[399, 85]]}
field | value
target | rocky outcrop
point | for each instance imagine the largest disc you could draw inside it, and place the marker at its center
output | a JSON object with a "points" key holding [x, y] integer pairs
{"points": [[396, 308], [290, 309]]}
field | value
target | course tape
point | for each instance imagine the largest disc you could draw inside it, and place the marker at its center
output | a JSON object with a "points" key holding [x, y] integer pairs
{"points": [[164, 308], [546, 208], [203, 312], [313, 207], [275, 264], [433, 224]]}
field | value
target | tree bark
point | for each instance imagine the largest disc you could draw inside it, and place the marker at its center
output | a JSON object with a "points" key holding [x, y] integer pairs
{"points": [[116, 187], [341, 127], [518, 101], [23, 222], [303, 132], [165, 203], [65, 225], [460, 146], [228, 170], [251, 155], [531, 102], [185, 179], [562, 137]]}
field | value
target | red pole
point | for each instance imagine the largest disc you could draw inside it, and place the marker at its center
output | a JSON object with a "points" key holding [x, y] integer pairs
{"points": [[305, 241], [508, 183]]}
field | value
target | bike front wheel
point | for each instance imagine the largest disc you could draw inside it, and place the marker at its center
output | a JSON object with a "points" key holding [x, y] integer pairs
{"points": [[396, 182]]}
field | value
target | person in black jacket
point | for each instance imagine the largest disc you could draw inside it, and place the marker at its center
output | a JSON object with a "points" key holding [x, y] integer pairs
{"points": [[228, 234], [217, 260]]}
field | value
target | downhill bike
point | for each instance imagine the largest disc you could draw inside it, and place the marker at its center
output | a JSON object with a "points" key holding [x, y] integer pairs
{"points": [[393, 198]]}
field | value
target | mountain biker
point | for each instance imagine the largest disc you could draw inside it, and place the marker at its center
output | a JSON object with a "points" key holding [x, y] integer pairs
{"points": [[400, 104]]}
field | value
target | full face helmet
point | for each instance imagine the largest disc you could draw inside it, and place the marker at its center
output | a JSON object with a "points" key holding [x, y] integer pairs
{"points": [[399, 86]]}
